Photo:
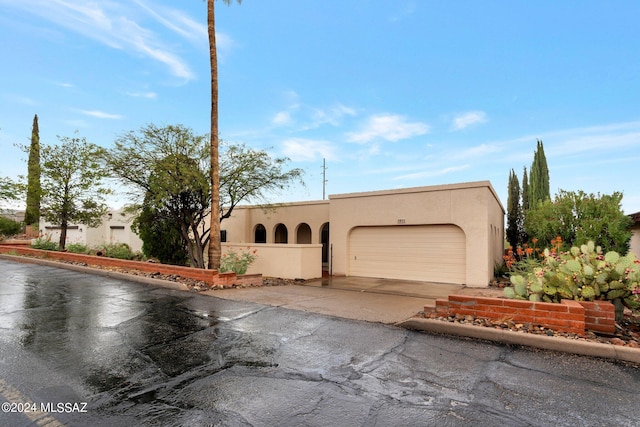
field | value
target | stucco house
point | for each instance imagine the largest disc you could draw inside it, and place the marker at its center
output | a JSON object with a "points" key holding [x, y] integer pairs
{"points": [[115, 228], [445, 233]]}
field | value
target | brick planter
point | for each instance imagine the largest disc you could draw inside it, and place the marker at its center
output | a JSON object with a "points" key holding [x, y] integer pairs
{"points": [[211, 277], [568, 316]]}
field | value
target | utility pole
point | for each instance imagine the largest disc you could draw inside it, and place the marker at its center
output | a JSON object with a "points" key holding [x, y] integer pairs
{"points": [[324, 180]]}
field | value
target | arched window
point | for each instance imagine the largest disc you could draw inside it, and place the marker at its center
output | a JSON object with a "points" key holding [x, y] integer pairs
{"points": [[303, 234], [260, 234], [281, 234]]}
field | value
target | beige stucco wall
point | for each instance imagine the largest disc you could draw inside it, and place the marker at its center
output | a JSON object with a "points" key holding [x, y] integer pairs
{"points": [[474, 207], [289, 261], [241, 225]]}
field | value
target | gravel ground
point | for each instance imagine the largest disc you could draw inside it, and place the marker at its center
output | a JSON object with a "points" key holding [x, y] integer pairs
{"points": [[627, 333]]}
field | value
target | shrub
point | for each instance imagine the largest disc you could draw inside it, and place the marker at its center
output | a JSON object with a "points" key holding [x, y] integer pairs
{"points": [[578, 218], [77, 248], [237, 262], [116, 250], [9, 227], [45, 243]]}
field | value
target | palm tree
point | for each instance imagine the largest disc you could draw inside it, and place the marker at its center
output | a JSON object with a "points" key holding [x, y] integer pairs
{"points": [[214, 233]]}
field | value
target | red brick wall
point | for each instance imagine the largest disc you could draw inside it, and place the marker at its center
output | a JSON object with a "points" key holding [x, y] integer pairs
{"points": [[568, 316], [208, 276], [600, 316]]}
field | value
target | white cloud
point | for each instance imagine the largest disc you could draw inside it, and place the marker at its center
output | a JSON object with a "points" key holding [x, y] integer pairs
{"points": [[178, 22], [283, 118], [101, 114], [302, 149], [463, 121], [390, 127], [332, 115], [112, 24], [147, 95]]}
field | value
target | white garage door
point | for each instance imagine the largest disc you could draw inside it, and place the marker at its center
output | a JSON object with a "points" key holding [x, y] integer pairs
{"points": [[433, 253]]}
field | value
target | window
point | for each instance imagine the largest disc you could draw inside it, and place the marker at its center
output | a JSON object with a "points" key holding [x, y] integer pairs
{"points": [[281, 234], [260, 234]]}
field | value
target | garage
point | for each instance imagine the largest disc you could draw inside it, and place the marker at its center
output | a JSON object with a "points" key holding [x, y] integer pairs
{"points": [[433, 253]]}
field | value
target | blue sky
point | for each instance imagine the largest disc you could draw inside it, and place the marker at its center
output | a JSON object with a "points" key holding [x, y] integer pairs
{"points": [[392, 94]]}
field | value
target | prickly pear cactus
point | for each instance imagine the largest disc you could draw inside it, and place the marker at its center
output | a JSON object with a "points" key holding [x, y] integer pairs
{"points": [[582, 273]]}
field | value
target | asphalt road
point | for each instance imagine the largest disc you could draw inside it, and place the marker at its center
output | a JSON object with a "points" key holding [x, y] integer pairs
{"points": [[78, 350]]}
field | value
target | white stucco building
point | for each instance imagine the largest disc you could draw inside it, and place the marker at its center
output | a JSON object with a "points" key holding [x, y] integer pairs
{"points": [[115, 228]]}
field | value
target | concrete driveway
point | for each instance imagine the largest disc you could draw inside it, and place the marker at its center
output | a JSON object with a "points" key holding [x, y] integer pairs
{"points": [[361, 298]]}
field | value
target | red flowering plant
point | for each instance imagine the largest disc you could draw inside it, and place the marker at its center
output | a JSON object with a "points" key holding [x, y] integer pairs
{"points": [[237, 262], [524, 259]]}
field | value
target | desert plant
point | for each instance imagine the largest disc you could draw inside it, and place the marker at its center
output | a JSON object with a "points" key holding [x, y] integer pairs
{"points": [[584, 273], [45, 243], [77, 248], [116, 250], [9, 227], [237, 262]]}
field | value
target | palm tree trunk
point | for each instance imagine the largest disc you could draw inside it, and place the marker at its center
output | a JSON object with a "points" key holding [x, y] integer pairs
{"points": [[214, 241]]}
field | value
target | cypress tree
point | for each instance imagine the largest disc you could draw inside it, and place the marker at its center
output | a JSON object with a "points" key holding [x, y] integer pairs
{"points": [[514, 217], [538, 178], [525, 191], [524, 237], [32, 212]]}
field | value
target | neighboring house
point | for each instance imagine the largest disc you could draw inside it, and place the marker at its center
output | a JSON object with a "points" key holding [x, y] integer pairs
{"points": [[445, 233], [115, 228], [12, 214], [635, 234]]}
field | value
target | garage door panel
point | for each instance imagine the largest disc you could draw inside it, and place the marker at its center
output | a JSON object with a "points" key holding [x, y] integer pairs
{"points": [[428, 253]]}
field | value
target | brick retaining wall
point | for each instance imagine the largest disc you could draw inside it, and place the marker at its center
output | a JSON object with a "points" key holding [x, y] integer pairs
{"points": [[568, 316], [211, 277]]}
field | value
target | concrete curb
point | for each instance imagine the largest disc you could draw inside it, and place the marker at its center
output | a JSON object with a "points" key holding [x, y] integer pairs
{"points": [[566, 345], [99, 272]]}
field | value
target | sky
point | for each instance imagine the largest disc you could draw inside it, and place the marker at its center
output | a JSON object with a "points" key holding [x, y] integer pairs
{"points": [[390, 94]]}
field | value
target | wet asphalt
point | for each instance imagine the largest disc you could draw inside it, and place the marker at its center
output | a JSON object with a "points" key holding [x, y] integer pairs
{"points": [[78, 349]]}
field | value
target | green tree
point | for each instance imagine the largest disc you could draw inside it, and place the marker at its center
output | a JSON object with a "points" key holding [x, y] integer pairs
{"points": [[525, 191], [524, 237], [215, 250], [160, 234], [514, 215], [538, 178], [9, 190], [169, 167], [248, 175], [578, 217], [32, 212], [72, 184]]}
